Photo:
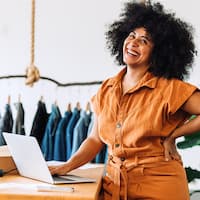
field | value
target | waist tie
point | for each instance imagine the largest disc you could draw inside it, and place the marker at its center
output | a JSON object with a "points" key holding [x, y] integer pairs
{"points": [[121, 166]]}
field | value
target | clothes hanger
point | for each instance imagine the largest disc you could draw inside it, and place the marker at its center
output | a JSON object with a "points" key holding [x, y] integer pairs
{"points": [[69, 107], [41, 98], [8, 100], [78, 105], [19, 98], [88, 108]]}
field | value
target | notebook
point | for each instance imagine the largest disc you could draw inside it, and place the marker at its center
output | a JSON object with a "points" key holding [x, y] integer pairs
{"points": [[30, 162]]}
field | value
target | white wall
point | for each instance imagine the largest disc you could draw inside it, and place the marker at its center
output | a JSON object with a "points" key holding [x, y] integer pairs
{"points": [[69, 47]]}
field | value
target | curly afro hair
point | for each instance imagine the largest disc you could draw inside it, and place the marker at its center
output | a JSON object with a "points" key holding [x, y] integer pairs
{"points": [[174, 48]]}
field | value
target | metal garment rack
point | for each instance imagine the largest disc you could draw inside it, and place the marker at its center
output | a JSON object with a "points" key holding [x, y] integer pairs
{"points": [[59, 84]]}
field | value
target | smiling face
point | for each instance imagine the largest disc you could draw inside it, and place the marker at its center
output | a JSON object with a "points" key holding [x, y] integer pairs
{"points": [[137, 48]]}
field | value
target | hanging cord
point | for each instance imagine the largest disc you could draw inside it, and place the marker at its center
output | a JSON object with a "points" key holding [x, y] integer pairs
{"points": [[33, 32], [32, 72]]}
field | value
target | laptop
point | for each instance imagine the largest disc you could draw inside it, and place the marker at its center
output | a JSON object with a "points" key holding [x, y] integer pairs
{"points": [[30, 161]]}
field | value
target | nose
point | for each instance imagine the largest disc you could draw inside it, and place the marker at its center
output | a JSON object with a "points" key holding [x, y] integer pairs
{"points": [[134, 42]]}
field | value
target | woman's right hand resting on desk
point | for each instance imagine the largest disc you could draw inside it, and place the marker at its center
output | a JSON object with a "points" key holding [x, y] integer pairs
{"points": [[86, 152]]}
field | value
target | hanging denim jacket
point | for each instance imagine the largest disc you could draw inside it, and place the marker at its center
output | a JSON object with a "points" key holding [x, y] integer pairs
{"points": [[6, 123], [101, 157], [60, 138], [47, 146], [39, 122], [80, 130], [69, 131]]}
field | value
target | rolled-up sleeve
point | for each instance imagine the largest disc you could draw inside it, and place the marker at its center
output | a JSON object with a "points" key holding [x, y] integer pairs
{"points": [[180, 93]]}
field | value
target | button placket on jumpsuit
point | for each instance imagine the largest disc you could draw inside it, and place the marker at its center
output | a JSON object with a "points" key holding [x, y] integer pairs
{"points": [[117, 159]]}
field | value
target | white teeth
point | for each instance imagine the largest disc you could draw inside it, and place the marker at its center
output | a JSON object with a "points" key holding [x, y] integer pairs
{"points": [[133, 53]]}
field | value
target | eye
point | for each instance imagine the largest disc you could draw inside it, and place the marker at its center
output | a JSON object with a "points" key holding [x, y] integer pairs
{"points": [[143, 41], [131, 35]]}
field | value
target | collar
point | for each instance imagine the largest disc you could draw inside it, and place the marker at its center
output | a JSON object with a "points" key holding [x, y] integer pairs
{"points": [[148, 80]]}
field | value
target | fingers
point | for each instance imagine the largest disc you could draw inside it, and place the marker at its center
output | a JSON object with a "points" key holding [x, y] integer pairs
{"points": [[171, 156], [52, 169], [58, 170], [170, 152], [167, 148], [176, 156], [167, 155]]}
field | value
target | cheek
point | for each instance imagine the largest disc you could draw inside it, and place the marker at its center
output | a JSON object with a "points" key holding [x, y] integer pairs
{"points": [[124, 45], [126, 41], [123, 50], [147, 53]]}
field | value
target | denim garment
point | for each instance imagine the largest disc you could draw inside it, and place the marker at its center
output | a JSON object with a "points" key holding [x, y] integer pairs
{"points": [[102, 155], [106, 154], [90, 129], [47, 146], [60, 138], [91, 124], [80, 130], [18, 127], [6, 123], [69, 131], [39, 122]]}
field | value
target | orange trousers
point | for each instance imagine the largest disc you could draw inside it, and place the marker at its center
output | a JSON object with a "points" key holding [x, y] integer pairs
{"points": [[165, 181]]}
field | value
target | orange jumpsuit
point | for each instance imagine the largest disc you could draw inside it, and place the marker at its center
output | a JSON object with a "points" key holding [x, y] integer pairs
{"points": [[134, 126]]}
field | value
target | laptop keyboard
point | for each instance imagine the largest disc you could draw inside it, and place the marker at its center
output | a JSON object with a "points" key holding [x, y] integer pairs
{"points": [[57, 178]]}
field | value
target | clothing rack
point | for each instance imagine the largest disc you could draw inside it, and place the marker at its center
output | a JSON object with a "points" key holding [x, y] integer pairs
{"points": [[59, 84]]}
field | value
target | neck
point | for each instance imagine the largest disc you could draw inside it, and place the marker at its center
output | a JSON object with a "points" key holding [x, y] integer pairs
{"points": [[132, 77], [135, 74]]}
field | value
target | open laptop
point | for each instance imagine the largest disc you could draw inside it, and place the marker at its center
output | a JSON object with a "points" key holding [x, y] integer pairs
{"points": [[30, 162]]}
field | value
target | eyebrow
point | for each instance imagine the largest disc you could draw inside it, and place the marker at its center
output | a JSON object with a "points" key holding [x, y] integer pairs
{"points": [[143, 36]]}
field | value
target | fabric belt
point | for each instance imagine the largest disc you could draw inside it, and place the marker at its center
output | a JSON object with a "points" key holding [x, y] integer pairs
{"points": [[122, 166]]}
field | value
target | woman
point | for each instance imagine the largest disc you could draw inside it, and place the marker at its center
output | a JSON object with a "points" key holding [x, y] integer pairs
{"points": [[141, 111]]}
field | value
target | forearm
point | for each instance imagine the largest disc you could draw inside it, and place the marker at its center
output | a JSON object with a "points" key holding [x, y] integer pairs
{"points": [[87, 151], [187, 129]]}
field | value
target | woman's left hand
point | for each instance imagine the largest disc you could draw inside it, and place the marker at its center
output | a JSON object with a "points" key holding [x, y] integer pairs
{"points": [[170, 150]]}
